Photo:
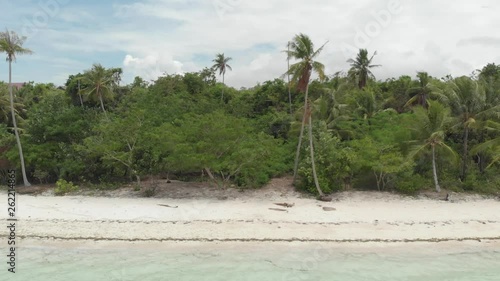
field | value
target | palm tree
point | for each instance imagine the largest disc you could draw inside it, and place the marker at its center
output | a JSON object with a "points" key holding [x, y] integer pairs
{"points": [[101, 82], [221, 65], [467, 99], [420, 93], [302, 48], [430, 125], [492, 145], [364, 104], [360, 68], [12, 45]]}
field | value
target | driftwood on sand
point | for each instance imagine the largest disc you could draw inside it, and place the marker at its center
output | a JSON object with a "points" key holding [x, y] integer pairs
{"points": [[276, 209], [168, 206], [286, 205], [329, 209]]}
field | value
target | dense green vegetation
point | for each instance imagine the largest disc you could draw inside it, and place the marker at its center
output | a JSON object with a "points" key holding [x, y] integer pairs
{"points": [[404, 134]]}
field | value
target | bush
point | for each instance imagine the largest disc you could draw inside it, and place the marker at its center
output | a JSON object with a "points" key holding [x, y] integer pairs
{"points": [[63, 187], [410, 183], [333, 163]]}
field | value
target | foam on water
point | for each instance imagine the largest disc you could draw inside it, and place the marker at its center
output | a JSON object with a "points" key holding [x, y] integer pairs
{"points": [[262, 262]]}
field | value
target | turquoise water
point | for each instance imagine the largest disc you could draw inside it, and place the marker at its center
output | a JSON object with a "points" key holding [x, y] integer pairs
{"points": [[264, 262]]}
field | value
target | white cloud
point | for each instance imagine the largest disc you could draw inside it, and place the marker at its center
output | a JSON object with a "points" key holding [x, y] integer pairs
{"points": [[149, 37], [261, 62], [152, 66]]}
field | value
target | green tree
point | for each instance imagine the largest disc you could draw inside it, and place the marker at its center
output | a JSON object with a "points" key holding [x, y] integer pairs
{"points": [[396, 92], [55, 127], [430, 125], [492, 146], [467, 99], [221, 65], [420, 94], [119, 139], [302, 48], [12, 45], [360, 68], [364, 104], [328, 109], [101, 82], [5, 105]]}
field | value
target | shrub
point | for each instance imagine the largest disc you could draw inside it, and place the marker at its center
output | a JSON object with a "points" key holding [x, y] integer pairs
{"points": [[63, 187], [410, 183]]}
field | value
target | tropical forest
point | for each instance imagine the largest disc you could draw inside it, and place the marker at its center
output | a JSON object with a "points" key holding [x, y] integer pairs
{"points": [[330, 131]]}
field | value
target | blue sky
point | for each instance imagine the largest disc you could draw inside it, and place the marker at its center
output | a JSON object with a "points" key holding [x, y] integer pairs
{"points": [[150, 37]]}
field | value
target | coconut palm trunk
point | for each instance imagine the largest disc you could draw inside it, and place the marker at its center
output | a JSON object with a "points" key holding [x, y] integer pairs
{"points": [[102, 106], [289, 84], [434, 169], [465, 155], [80, 93], [16, 130], [101, 100], [311, 146], [301, 136], [223, 83]]}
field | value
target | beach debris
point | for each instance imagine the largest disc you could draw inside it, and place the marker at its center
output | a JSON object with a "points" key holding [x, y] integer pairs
{"points": [[329, 209], [325, 198], [447, 198], [168, 206], [276, 209], [286, 205]]}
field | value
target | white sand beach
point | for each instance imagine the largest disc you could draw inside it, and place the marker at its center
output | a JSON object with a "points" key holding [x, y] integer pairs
{"points": [[357, 217]]}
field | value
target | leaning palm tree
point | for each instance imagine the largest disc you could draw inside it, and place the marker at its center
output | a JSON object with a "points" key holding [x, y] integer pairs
{"points": [[101, 82], [430, 125], [360, 68], [220, 64], [12, 45], [302, 48]]}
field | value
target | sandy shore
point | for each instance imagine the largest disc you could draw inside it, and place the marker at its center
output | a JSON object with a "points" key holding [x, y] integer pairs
{"points": [[359, 217]]}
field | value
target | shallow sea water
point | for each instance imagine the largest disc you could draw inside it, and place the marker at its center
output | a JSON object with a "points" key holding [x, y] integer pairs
{"points": [[233, 261]]}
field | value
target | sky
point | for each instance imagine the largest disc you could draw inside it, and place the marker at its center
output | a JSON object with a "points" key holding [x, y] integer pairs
{"points": [[148, 38]]}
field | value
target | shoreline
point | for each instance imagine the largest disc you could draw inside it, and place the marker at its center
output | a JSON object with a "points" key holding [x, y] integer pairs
{"points": [[357, 217]]}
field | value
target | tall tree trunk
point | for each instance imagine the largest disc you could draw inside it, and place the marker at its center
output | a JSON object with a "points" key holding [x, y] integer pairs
{"points": [[315, 176], [224, 84], [463, 174], [16, 132], [80, 94], [434, 170], [304, 118], [102, 106], [289, 85]]}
